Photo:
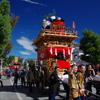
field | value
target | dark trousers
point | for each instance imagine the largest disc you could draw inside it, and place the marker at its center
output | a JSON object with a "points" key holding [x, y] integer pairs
{"points": [[97, 86], [15, 83], [23, 82], [84, 97], [1, 83], [89, 87], [67, 89], [52, 96], [30, 87]]}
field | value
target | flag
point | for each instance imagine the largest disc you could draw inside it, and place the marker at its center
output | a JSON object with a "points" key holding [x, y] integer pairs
{"points": [[56, 52], [63, 64], [73, 25], [51, 50]]}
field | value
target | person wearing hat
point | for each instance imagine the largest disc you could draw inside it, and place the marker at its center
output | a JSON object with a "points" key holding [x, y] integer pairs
{"points": [[54, 83]]}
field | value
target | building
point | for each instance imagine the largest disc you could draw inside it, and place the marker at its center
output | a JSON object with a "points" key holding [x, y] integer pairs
{"points": [[76, 55]]}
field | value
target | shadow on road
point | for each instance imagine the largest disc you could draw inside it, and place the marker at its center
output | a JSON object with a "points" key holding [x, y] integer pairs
{"points": [[35, 95]]}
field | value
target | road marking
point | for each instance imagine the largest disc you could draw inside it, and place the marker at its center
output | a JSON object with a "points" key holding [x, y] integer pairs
{"points": [[18, 95]]}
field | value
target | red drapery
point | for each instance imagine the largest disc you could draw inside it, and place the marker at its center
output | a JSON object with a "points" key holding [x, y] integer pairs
{"points": [[63, 64], [52, 51], [14, 67]]}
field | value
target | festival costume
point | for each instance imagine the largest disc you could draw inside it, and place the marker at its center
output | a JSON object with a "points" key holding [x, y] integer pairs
{"points": [[74, 86], [81, 78]]}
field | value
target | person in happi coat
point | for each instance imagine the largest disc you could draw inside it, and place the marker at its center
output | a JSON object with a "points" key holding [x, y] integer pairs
{"points": [[75, 90], [82, 81]]}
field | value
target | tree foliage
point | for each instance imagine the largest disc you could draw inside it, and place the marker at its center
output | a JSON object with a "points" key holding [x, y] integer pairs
{"points": [[8, 60], [11, 58], [13, 20], [5, 62], [5, 26], [90, 44], [31, 63], [7, 49]]}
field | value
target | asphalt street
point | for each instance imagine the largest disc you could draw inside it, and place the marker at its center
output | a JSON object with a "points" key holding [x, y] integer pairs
{"points": [[8, 93]]}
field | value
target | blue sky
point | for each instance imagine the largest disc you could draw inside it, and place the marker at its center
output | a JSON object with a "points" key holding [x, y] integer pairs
{"points": [[85, 14]]}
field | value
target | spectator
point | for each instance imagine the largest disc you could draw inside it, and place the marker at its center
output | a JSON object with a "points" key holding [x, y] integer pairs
{"points": [[97, 82], [74, 84], [30, 79], [90, 73], [82, 81], [97, 69], [22, 76], [1, 81], [54, 84], [16, 76], [66, 86]]}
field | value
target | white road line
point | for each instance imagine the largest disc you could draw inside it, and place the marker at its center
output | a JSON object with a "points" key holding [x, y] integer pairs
{"points": [[18, 95]]}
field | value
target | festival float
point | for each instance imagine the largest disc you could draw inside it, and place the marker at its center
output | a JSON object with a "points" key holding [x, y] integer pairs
{"points": [[15, 65], [54, 48]]}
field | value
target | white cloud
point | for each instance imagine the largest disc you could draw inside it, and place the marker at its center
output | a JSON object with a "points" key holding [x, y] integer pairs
{"points": [[25, 53], [34, 2], [27, 45]]}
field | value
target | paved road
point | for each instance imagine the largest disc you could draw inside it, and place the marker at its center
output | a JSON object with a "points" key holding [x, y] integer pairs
{"points": [[8, 93]]}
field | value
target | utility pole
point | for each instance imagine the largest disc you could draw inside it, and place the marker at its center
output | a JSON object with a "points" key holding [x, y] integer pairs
{"points": [[1, 65]]}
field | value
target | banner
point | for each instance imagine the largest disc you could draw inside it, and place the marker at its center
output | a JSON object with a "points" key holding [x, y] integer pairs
{"points": [[63, 64], [54, 51]]}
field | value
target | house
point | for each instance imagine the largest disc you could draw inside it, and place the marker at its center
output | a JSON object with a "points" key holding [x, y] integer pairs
{"points": [[76, 54]]}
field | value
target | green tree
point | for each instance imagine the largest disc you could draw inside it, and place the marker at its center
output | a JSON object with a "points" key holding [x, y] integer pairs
{"points": [[7, 50], [90, 44], [5, 26], [10, 59], [5, 62], [31, 63], [13, 20]]}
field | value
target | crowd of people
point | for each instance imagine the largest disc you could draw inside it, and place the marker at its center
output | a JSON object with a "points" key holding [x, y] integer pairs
{"points": [[80, 82], [78, 87], [25, 76]]}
